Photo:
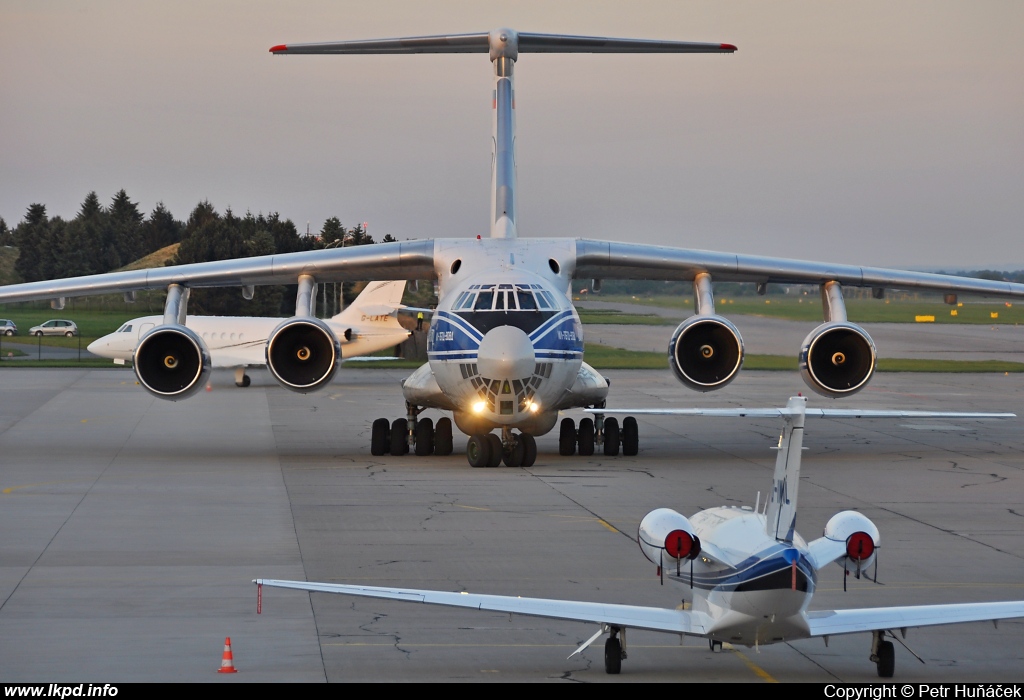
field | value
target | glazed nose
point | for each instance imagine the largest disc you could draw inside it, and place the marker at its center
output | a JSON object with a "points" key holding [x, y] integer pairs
{"points": [[506, 353]]}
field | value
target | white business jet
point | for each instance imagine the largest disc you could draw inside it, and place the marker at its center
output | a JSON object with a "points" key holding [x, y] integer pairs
{"points": [[750, 575], [370, 323], [505, 349]]}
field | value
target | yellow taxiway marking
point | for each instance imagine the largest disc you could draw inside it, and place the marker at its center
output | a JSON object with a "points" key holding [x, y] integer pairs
{"points": [[458, 505], [10, 489], [605, 524], [758, 671]]}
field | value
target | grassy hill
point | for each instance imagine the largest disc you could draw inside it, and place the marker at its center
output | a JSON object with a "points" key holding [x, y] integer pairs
{"points": [[158, 258]]}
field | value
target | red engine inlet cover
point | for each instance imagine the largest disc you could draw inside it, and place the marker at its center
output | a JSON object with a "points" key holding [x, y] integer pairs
{"points": [[681, 545], [860, 546]]}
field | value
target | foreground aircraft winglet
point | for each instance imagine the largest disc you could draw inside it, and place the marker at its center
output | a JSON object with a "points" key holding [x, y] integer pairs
{"points": [[750, 575]]}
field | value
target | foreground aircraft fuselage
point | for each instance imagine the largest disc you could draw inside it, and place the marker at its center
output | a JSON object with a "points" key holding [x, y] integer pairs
{"points": [[505, 348], [748, 575]]}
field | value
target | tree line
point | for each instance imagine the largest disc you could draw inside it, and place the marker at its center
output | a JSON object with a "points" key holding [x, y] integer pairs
{"points": [[102, 239]]}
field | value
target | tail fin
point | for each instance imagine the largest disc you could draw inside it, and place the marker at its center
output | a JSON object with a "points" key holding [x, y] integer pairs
{"points": [[781, 508], [376, 304]]}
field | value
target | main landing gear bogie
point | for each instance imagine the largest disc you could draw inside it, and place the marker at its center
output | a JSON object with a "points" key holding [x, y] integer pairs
{"points": [[423, 437], [599, 433]]}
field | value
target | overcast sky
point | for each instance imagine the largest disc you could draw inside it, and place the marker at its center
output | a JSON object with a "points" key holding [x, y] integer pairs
{"points": [[878, 133]]}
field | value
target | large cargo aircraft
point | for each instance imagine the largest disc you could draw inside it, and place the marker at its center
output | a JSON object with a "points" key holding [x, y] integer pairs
{"points": [[505, 348]]}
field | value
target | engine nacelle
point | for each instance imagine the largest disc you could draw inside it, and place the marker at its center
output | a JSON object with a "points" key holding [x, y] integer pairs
{"points": [[172, 362], [860, 535], [665, 535], [303, 353], [837, 359], [706, 352]]}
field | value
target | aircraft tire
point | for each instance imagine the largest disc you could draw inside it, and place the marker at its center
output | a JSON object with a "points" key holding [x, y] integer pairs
{"points": [[567, 437], [496, 450], [611, 437], [630, 437], [443, 444], [478, 450], [424, 437], [530, 443], [246, 381], [886, 660], [612, 656], [585, 437], [517, 455], [399, 437], [380, 437]]}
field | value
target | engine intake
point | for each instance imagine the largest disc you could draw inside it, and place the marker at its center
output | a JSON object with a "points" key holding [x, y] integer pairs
{"points": [[706, 352], [303, 354], [665, 534], [837, 359], [172, 362], [860, 535]]}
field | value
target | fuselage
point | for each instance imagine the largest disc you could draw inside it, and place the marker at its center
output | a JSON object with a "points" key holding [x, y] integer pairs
{"points": [[755, 587], [505, 346], [241, 341]]}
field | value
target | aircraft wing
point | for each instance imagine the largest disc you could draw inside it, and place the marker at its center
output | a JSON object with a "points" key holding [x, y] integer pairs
{"points": [[405, 260], [632, 616], [615, 260], [827, 622]]}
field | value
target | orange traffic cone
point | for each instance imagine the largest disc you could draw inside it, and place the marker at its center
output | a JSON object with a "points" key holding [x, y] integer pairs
{"points": [[227, 661]]}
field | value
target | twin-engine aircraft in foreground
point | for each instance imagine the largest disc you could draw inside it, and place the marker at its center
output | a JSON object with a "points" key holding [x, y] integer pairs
{"points": [[370, 323], [751, 577], [505, 348]]}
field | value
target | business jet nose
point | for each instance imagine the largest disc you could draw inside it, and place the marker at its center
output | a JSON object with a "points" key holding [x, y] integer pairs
{"points": [[97, 346], [506, 353]]}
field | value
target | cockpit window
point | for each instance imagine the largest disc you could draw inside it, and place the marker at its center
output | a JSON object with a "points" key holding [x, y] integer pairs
{"points": [[526, 300], [484, 301]]}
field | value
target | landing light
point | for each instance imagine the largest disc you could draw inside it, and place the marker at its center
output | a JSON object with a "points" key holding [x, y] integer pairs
{"points": [[533, 407], [479, 406]]}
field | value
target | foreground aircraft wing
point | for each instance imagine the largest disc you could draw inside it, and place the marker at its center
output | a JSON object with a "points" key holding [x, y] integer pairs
{"points": [[808, 412], [633, 616], [827, 622], [612, 260]]}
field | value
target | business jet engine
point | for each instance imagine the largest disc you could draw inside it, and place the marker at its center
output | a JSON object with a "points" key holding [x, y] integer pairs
{"points": [[172, 362], [837, 359], [666, 535], [303, 354], [705, 352], [860, 535]]}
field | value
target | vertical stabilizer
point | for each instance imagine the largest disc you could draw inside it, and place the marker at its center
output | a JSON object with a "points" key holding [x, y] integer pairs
{"points": [[504, 50], [375, 305], [781, 511]]}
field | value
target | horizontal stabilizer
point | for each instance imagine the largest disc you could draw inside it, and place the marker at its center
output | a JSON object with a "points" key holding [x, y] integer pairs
{"points": [[481, 43]]}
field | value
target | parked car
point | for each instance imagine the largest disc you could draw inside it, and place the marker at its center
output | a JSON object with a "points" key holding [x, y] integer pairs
{"points": [[7, 327], [55, 327]]}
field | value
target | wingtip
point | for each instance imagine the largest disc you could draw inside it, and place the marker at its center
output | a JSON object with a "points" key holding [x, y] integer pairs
{"points": [[725, 47], [280, 48]]}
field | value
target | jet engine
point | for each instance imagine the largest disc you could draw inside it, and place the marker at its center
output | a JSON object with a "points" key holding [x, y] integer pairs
{"points": [[665, 534], [705, 352], [837, 359], [172, 362], [860, 535], [303, 354]]}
